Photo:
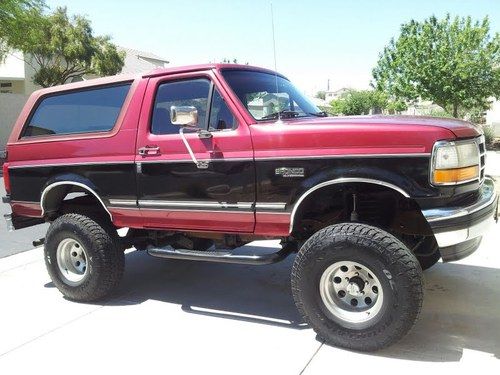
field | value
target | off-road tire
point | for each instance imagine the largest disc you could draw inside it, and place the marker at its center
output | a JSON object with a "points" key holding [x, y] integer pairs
{"points": [[390, 260], [106, 260]]}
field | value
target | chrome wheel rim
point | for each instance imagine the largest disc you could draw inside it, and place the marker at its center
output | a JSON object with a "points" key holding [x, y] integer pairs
{"points": [[72, 261], [351, 292]]}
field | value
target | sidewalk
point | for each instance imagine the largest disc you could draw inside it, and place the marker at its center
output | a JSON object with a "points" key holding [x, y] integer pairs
{"points": [[195, 317]]}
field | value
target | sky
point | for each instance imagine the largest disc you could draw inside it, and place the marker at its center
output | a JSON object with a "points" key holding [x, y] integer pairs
{"points": [[317, 41]]}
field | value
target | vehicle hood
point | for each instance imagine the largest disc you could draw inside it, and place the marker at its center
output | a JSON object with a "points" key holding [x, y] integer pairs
{"points": [[460, 128]]}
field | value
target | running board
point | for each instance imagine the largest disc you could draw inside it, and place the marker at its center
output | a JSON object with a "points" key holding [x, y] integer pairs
{"points": [[219, 256]]}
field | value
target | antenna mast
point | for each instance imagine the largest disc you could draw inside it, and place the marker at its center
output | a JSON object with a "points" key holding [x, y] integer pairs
{"points": [[275, 65]]}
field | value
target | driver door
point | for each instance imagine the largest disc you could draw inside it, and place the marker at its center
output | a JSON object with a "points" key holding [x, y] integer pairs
{"points": [[175, 193]]}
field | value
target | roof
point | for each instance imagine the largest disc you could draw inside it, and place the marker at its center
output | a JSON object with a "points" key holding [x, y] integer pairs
{"points": [[201, 67], [156, 72], [140, 61]]}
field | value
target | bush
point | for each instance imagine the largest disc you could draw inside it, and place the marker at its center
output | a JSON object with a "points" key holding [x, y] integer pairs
{"points": [[489, 135]]}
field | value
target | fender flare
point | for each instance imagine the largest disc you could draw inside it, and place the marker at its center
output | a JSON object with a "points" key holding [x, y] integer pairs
{"points": [[342, 180], [70, 180]]}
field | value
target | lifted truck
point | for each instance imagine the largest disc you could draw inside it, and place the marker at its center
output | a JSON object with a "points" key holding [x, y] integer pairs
{"points": [[196, 161]]}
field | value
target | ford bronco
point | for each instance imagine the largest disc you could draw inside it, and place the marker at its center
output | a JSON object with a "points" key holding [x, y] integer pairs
{"points": [[197, 161]]}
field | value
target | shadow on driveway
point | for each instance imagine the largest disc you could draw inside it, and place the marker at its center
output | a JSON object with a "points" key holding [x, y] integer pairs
{"points": [[461, 308]]}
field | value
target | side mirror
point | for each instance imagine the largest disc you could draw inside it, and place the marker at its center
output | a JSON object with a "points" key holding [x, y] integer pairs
{"points": [[185, 115]]}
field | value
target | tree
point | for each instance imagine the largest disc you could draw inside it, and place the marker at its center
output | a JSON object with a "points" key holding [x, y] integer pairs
{"points": [[362, 102], [453, 62], [60, 48], [320, 95], [10, 12]]}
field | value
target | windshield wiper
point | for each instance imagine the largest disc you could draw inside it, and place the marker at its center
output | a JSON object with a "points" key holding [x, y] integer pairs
{"points": [[282, 114], [319, 114]]}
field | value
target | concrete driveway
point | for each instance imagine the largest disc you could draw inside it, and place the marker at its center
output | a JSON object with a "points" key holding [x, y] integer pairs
{"points": [[193, 317]]}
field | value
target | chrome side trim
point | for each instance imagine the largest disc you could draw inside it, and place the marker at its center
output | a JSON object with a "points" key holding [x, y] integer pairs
{"points": [[342, 180], [487, 197], [304, 157], [51, 186], [123, 202], [345, 156], [194, 204], [168, 209], [190, 160], [227, 159], [270, 206], [69, 164]]}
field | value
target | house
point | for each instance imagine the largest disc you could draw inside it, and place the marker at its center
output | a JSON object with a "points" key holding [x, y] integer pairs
{"points": [[16, 82], [332, 95], [493, 117]]}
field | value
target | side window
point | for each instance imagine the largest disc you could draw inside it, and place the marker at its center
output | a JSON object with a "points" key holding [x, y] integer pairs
{"points": [[94, 110], [180, 93], [221, 117]]}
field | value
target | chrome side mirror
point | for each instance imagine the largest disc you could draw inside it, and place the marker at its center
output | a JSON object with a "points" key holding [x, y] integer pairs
{"points": [[185, 115]]}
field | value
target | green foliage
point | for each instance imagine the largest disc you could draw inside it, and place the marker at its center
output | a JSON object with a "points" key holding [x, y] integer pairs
{"points": [[489, 135], [361, 102], [10, 12], [60, 48], [320, 95], [453, 62], [437, 113], [327, 109]]}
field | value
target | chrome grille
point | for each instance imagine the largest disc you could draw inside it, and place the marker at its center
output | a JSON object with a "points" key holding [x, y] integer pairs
{"points": [[482, 156]]}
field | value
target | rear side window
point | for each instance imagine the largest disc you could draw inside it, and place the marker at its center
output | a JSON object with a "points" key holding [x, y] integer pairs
{"points": [[87, 111]]}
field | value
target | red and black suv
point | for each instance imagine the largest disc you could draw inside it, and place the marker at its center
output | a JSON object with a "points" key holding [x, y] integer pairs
{"points": [[197, 161]]}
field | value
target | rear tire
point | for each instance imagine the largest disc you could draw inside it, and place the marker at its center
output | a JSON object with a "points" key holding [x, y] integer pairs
{"points": [[84, 259], [329, 277]]}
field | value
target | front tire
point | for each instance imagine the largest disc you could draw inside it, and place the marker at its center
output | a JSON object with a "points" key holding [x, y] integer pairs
{"points": [[83, 258], [357, 286]]}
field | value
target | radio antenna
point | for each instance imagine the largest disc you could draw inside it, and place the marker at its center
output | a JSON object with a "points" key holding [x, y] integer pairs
{"points": [[275, 65]]}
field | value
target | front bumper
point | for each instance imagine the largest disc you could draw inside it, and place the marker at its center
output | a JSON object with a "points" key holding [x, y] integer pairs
{"points": [[453, 226]]}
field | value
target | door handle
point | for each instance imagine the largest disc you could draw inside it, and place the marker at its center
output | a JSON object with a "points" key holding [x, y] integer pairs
{"points": [[149, 151]]}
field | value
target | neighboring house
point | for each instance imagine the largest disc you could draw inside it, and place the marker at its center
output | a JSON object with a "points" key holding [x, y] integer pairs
{"points": [[15, 75], [318, 102], [421, 108], [332, 95], [493, 117], [266, 104], [139, 61]]}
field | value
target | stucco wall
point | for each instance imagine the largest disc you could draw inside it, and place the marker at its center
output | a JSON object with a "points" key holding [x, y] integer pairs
{"points": [[10, 107]]}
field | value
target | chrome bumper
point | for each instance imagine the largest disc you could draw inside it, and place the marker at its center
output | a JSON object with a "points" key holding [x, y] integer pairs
{"points": [[455, 225]]}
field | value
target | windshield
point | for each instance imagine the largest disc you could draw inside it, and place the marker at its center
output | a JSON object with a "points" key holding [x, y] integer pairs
{"points": [[257, 92]]}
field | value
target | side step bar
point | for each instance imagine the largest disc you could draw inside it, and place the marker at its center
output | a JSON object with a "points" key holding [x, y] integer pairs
{"points": [[219, 256]]}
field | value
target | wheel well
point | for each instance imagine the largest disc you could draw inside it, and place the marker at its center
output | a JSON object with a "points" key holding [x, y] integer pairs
{"points": [[57, 197], [368, 203]]}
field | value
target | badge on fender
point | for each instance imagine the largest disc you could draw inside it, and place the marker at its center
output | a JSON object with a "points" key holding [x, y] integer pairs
{"points": [[289, 172]]}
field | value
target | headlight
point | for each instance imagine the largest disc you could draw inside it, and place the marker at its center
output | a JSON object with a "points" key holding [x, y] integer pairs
{"points": [[454, 163]]}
